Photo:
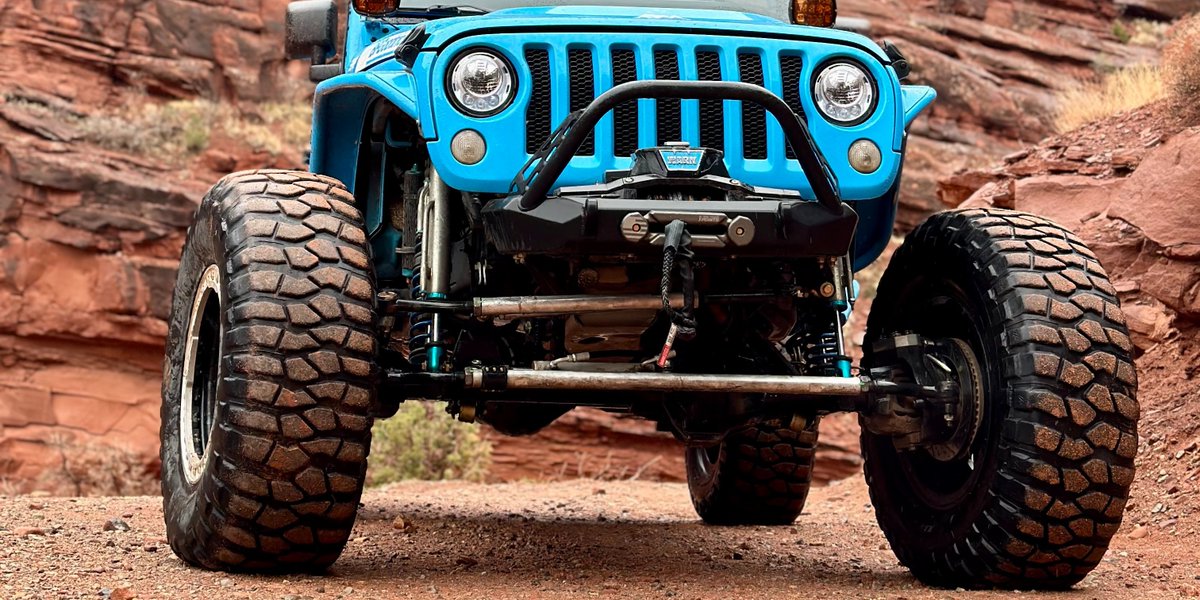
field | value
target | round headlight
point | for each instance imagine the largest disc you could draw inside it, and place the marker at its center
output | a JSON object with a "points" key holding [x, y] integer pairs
{"points": [[481, 83], [844, 93]]}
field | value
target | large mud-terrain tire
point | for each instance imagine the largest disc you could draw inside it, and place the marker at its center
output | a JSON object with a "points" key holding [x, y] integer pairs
{"points": [[1042, 490], [756, 476], [271, 355]]}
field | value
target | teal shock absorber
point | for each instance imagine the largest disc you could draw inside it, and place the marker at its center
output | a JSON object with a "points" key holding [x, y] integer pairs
{"points": [[845, 293], [435, 350]]}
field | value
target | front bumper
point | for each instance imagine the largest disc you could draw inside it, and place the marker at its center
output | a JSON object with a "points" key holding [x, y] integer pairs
{"points": [[572, 225], [612, 219]]}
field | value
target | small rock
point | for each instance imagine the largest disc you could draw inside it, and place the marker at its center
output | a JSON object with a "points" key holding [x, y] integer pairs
{"points": [[466, 561], [1138, 533], [30, 531], [399, 524], [737, 556], [37, 505], [598, 492], [150, 547], [225, 582], [116, 525], [122, 594]]}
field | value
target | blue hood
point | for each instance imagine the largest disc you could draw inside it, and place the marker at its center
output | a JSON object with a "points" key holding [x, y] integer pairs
{"points": [[443, 31]]}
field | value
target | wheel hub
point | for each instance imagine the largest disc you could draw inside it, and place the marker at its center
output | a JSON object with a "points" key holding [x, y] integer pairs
{"points": [[957, 363], [201, 361]]}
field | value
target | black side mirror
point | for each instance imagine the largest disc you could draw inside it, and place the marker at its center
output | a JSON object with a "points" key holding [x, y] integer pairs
{"points": [[311, 32]]}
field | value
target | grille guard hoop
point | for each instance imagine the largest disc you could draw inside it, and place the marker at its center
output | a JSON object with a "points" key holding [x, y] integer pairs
{"points": [[535, 180]]}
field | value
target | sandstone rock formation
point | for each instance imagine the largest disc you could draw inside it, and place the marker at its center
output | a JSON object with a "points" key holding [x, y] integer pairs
{"points": [[1159, 9], [997, 65], [1127, 185], [93, 53]]}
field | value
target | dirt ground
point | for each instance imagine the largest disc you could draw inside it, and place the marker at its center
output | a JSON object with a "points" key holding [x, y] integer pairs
{"points": [[532, 540]]}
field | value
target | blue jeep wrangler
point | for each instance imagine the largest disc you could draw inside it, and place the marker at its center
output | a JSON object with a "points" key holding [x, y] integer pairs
{"points": [[519, 208]]}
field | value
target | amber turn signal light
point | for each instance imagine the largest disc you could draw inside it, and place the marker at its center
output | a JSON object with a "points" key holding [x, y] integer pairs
{"points": [[815, 13], [374, 8]]}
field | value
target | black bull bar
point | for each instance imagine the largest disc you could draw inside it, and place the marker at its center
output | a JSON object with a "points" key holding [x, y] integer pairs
{"points": [[782, 226], [579, 125]]}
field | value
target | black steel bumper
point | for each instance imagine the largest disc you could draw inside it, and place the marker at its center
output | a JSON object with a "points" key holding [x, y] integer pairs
{"points": [[613, 218], [583, 225]]}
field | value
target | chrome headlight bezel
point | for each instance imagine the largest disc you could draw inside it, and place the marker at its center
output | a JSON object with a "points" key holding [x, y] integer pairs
{"points": [[507, 90], [872, 88]]}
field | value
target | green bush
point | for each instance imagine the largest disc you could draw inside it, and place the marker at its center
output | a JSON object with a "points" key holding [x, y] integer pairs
{"points": [[423, 442]]}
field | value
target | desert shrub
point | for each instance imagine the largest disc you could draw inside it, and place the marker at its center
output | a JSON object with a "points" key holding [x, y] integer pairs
{"points": [[1119, 91], [168, 130], [1120, 32], [1140, 32], [272, 127], [181, 128], [1181, 60], [423, 442]]}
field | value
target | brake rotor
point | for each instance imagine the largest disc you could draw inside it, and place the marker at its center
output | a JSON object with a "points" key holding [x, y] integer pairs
{"points": [[964, 369]]}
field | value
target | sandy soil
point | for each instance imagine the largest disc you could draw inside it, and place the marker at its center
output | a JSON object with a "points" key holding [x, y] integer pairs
{"points": [[531, 540]]}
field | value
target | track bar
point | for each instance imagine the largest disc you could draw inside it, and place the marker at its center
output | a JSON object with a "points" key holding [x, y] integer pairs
{"points": [[530, 379]]}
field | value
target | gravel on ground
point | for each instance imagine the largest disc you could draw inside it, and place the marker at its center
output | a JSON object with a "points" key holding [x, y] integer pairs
{"points": [[570, 539]]}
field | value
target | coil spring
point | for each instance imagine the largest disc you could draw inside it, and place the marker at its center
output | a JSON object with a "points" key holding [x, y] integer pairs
{"points": [[420, 324], [821, 353], [819, 349]]}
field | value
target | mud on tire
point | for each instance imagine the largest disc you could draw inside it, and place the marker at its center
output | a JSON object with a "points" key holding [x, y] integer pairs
{"points": [[1044, 488], [756, 476], [285, 362]]}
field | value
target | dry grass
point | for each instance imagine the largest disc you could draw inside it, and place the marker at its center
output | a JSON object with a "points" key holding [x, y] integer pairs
{"points": [[180, 129], [1181, 61], [604, 470], [1120, 91], [186, 127]]}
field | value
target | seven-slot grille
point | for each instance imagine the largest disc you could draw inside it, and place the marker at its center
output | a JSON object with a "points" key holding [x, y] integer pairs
{"points": [[669, 116]]}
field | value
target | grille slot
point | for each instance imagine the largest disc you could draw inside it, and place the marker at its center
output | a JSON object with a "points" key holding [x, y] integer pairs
{"points": [[625, 115], [712, 112], [537, 116], [789, 67], [583, 90], [629, 63], [670, 125], [754, 116]]}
